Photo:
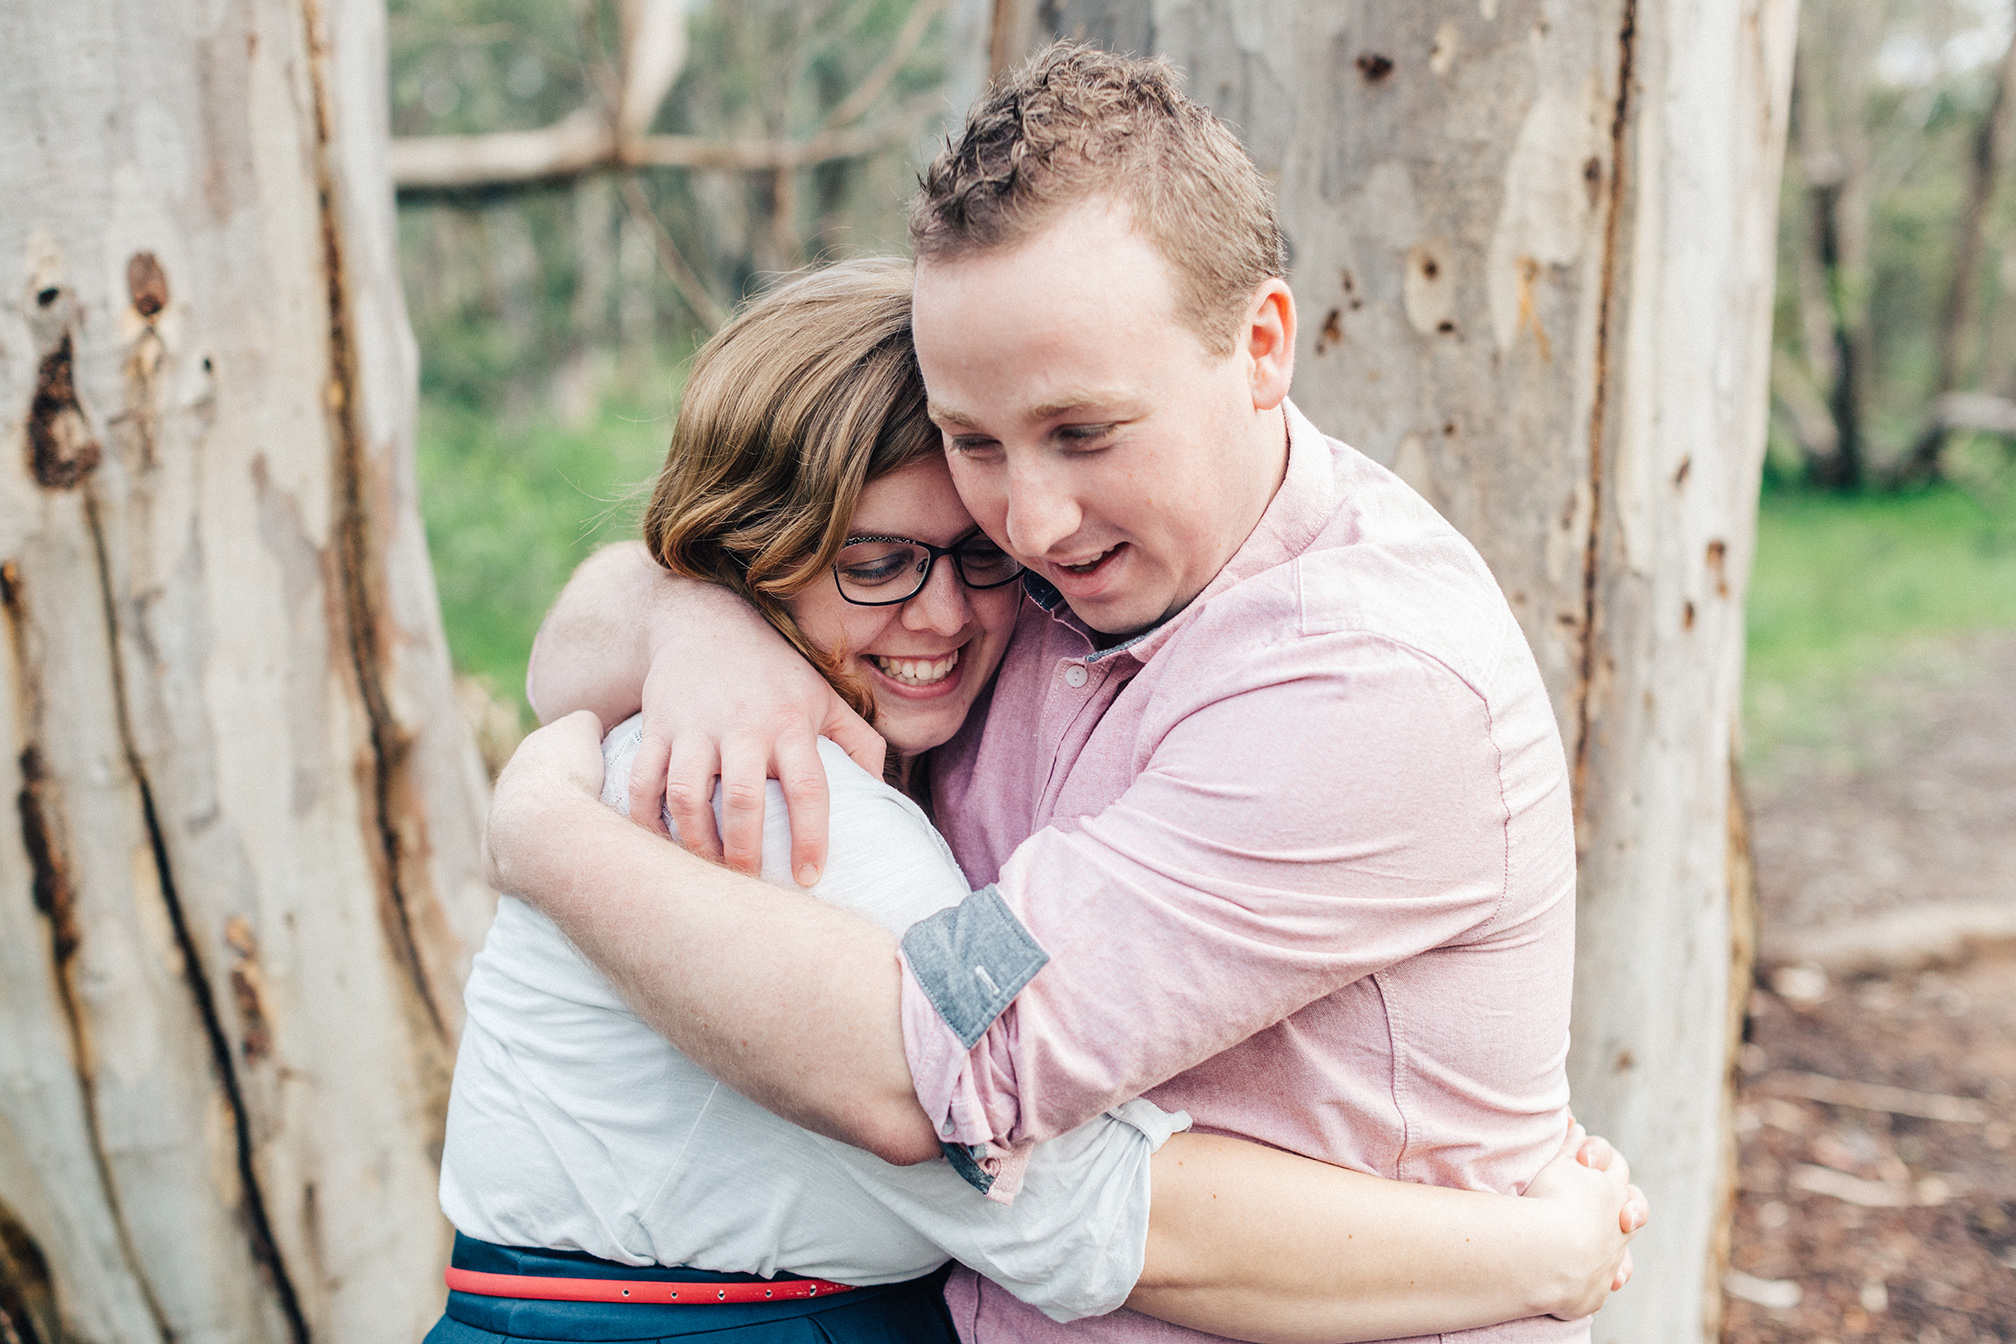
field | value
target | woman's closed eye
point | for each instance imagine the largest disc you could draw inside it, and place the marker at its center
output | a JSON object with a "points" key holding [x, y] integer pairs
{"points": [[872, 564]]}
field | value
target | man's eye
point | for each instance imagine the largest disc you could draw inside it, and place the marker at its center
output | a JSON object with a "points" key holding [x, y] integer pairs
{"points": [[983, 559], [1084, 436]]}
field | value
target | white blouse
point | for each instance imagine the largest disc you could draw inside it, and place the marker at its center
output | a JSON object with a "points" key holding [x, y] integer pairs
{"points": [[573, 1126]]}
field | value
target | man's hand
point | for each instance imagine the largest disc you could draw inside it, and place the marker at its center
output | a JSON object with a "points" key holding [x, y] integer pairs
{"points": [[724, 696], [728, 698], [1587, 1188], [556, 765]]}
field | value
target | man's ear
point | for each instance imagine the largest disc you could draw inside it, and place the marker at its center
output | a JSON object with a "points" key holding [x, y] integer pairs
{"points": [[1270, 343]]}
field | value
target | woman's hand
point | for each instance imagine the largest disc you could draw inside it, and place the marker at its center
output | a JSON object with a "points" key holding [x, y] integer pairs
{"points": [[1585, 1192]]}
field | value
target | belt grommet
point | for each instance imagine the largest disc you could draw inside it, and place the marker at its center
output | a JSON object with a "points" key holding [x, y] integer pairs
{"points": [[721, 1293]]}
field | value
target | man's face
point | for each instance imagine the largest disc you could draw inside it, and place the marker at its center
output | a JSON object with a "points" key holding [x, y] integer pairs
{"points": [[1089, 430]]}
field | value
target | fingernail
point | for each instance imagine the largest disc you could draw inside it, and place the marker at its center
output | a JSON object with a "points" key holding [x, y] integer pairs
{"points": [[808, 876]]}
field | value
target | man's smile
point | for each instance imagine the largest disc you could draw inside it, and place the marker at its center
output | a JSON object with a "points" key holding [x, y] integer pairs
{"points": [[1092, 565]]}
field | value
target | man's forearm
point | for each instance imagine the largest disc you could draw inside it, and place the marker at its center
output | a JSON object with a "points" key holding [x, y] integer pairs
{"points": [[793, 1003], [594, 647], [1256, 1244]]}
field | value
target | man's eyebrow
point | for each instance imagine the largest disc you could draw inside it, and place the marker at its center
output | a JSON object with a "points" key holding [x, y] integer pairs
{"points": [[1062, 404]]}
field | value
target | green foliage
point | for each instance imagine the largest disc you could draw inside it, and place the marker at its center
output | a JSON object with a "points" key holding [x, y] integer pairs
{"points": [[512, 508], [1848, 586]]}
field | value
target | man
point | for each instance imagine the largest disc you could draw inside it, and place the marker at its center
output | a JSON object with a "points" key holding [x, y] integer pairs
{"points": [[1269, 805]]}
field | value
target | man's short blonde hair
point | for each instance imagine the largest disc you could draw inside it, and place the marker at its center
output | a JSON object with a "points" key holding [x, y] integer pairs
{"points": [[1076, 123]]}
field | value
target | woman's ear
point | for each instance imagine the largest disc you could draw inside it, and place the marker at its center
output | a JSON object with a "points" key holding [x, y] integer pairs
{"points": [[1270, 343]]}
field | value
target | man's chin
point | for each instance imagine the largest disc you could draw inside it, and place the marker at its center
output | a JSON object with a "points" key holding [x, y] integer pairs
{"points": [[1117, 619]]}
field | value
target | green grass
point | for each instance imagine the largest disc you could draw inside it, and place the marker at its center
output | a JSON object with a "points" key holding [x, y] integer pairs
{"points": [[511, 510], [1847, 587]]}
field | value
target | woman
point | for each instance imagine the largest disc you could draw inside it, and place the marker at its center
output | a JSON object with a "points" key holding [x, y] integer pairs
{"points": [[583, 1150]]}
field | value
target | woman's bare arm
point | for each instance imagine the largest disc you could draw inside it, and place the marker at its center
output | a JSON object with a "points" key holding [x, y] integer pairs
{"points": [[1257, 1244], [722, 693]]}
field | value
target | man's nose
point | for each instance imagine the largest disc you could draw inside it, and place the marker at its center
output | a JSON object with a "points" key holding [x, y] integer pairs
{"points": [[1042, 511], [940, 606]]}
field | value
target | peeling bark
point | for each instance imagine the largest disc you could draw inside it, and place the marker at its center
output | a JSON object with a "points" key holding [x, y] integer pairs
{"points": [[1615, 206], [55, 899], [244, 889], [356, 557], [252, 1202], [27, 1299]]}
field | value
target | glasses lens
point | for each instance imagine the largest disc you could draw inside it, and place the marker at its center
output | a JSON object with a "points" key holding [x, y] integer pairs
{"points": [[984, 565], [879, 571]]}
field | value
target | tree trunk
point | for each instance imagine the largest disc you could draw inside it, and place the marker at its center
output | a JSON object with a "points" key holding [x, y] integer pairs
{"points": [[242, 894], [1836, 51], [1533, 247], [1985, 155]]}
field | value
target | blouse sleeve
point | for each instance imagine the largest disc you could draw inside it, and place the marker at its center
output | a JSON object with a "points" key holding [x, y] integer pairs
{"points": [[1073, 1242]]}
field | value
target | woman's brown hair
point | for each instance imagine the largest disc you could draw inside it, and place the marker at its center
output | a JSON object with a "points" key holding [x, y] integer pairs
{"points": [[811, 392]]}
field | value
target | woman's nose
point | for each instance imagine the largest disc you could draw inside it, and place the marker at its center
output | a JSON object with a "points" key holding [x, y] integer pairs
{"points": [[940, 606]]}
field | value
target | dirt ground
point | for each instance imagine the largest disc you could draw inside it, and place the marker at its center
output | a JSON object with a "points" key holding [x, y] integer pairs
{"points": [[1877, 1124]]}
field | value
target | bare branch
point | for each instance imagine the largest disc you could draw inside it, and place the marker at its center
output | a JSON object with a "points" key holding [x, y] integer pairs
{"points": [[567, 148], [582, 143], [684, 277], [1877, 1097], [654, 51], [1982, 412], [856, 104]]}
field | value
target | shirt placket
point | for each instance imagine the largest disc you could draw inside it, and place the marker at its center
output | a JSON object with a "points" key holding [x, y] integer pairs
{"points": [[1077, 695]]}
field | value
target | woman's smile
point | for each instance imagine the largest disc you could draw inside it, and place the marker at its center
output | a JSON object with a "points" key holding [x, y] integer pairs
{"points": [[931, 674], [928, 658]]}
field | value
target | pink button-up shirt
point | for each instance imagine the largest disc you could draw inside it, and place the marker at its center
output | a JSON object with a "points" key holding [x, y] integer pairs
{"points": [[1303, 861]]}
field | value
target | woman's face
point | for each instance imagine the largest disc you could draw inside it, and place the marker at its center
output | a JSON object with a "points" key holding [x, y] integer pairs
{"points": [[928, 658]]}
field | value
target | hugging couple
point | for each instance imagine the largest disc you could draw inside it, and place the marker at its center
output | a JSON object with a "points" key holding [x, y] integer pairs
{"points": [[1228, 996]]}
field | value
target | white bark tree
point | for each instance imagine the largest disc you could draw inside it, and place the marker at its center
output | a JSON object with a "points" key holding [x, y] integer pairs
{"points": [[242, 890], [1533, 251]]}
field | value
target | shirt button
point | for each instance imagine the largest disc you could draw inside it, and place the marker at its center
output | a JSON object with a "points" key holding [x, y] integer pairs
{"points": [[1075, 675]]}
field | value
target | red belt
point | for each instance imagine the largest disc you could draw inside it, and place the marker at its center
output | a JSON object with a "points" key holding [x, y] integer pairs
{"points": [[684, 1292]]}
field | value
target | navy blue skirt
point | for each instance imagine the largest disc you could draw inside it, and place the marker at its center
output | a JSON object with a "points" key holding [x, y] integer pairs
{"points": [[897, 1313]]}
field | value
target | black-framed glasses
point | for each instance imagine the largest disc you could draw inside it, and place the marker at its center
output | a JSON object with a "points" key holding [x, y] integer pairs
{"points": [[883, 571]]}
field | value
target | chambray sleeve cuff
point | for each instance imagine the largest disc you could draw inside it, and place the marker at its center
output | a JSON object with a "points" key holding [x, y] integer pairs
{"points": [[962, 968]]}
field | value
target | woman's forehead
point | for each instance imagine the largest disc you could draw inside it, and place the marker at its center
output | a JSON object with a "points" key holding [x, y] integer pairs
{"points": [[917, 501]]}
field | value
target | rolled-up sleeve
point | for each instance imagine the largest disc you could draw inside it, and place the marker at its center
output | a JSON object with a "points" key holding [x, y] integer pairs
{"points": [[1326, 807]]}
